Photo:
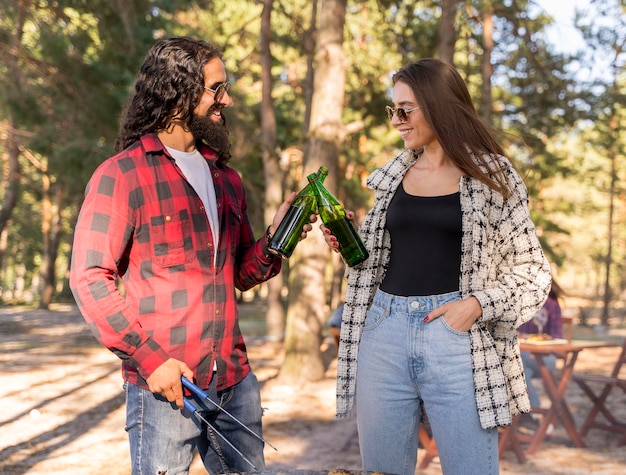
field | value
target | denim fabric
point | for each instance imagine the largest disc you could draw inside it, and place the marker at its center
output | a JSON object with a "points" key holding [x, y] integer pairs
{"points": [[403, 360], [163, 438], [531, 371]]}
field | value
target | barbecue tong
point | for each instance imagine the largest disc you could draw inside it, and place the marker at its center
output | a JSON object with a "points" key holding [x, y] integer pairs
{"points": [[196, 412]]}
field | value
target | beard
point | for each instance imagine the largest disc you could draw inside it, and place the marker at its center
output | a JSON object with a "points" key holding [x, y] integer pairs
{"points": [[213, 134]]}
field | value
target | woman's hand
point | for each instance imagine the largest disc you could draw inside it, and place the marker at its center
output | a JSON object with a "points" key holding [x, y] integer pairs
{"points": [[460, 314], [329, 238]]}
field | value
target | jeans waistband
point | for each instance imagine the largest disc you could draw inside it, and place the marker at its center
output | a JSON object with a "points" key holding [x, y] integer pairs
{"points": [[397, 303]]}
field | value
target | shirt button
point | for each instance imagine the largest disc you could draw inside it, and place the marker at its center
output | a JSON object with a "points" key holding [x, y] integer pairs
{"points": [[415, 304], [217, 312], [216, 174], [219, 205], [168, 218], [202, 208]]}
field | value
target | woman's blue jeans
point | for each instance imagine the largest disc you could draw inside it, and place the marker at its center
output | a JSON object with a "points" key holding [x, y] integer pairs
{"points": [[163, 438], [403, 360]]}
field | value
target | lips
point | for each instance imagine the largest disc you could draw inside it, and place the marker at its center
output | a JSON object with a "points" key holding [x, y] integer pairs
{"points": [[215, 112], [404, 132]]}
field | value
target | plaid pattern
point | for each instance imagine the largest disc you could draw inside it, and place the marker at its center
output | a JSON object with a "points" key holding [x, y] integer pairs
{"points": [[141, 220], [502, 265]]}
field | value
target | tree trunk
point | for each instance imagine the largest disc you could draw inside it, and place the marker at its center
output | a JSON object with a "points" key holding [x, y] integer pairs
{"points": [[447, 32], [487, 68], [11, 177], [11, 180], [307, 311], [52, 204], [606, 298], [275, 317], [309, 51]]}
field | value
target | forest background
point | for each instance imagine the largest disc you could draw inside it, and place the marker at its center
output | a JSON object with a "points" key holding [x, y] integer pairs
{"points": [[311, 79]]}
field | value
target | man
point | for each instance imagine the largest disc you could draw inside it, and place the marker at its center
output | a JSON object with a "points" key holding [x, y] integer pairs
{"points": [[168, 216]]}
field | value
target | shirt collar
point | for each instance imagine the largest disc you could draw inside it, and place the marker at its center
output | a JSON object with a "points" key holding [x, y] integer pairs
{"points": [[151, 144]]}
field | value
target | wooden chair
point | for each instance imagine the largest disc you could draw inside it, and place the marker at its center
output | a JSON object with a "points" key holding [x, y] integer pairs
{"points": [[568, 327], [604, 385], [430, 447], [508, 438]]}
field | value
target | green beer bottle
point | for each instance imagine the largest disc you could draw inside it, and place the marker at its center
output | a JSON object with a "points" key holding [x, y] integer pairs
{"points": [[334, 218], [289, 230]]}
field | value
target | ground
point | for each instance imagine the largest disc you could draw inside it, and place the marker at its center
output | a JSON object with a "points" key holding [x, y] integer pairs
{"points": [[63, 407]]}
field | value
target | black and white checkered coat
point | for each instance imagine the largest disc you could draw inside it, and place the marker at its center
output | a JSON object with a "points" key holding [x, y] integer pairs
{"points": [[502, 265]]}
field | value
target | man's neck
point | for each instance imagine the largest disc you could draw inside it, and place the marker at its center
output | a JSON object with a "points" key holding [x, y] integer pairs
{"points": [[177, 138]]}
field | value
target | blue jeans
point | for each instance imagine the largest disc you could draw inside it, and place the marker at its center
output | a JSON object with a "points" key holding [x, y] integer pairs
{"points": [[403, 360], [531, 371], [163, 438]]}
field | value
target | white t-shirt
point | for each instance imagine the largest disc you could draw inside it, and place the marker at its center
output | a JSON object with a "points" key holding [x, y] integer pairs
{"points": [[196, 170]]}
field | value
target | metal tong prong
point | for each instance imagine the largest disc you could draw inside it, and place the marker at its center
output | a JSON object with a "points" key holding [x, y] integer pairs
{"points": [[196, 412], [201, 394]]}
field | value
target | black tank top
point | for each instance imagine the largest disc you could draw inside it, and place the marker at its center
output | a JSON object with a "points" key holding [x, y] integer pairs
{"points": [[425, 244]]}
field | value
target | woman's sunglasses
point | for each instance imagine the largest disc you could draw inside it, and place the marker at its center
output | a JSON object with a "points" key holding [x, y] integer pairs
{"points": [[402, 113]]}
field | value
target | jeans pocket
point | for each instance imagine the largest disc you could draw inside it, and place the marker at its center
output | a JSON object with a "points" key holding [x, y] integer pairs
{"points": [[452, 330], [374, 317]]}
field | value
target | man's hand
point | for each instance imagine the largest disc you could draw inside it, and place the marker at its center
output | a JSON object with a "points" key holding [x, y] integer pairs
{"points": [[165, 380], [282, 211]]}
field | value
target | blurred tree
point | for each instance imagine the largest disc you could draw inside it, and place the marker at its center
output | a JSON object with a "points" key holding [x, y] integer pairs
{"points": [[269, 149], [305, 315], [605, 35]]}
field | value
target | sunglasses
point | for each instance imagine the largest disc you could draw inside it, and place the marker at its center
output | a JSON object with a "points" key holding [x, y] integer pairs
{"points": [[218, 91], [402, 113]]}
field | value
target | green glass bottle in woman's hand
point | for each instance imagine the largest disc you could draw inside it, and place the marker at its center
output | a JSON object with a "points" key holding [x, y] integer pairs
{"points": [[289, 230], [334, 218]]}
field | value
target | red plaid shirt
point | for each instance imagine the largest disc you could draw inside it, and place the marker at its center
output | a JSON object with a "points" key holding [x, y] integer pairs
{"points": [[143, 221]]}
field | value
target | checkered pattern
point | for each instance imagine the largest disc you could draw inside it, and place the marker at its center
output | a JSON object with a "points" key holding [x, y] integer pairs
{"points": [[142, 221], [502, 265]]}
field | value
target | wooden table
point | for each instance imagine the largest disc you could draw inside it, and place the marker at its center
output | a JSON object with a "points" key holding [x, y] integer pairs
{"points": [[556, 385]]}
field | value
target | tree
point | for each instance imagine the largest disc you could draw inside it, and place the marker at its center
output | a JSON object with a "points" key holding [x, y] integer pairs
{"points": [[605, 34], [305, 315], [447, 31], [275, 317]]}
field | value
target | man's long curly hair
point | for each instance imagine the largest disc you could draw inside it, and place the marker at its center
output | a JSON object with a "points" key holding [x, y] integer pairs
{"points": [[169, 85]]}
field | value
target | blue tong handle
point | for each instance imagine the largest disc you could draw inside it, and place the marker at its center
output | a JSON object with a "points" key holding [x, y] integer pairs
{"points": [[194, 389]]}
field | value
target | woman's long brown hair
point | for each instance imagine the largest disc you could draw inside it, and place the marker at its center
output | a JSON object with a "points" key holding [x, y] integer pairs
{"points": [[444, 100]]}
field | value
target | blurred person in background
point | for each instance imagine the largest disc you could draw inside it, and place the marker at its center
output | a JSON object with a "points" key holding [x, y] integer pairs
{"points": [[547, 321]]}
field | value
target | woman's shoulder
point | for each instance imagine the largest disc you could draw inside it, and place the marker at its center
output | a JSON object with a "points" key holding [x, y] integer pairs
{"points": [[493, 165], [381, 177]]}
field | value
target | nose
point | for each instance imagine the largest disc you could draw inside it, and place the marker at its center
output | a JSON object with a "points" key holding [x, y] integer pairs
{"points": [[226, 100], [395, 121]]}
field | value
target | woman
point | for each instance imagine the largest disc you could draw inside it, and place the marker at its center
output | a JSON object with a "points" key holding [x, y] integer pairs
{"points": [[551, 320], [455, 267]]}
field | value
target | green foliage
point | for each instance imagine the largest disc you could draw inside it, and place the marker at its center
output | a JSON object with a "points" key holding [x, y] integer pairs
{"points": [[64, 82]]}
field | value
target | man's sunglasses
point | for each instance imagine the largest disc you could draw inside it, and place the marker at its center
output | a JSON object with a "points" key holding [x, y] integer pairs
{"points": [[218, 91], [402, 113]]}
